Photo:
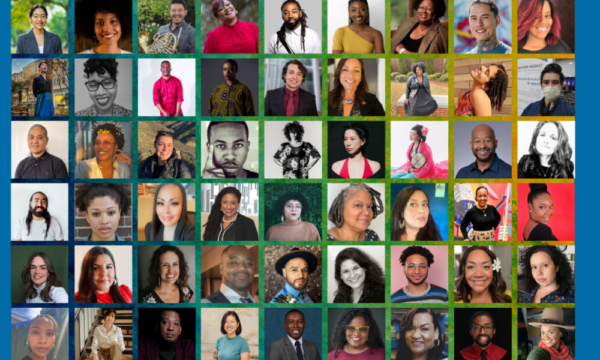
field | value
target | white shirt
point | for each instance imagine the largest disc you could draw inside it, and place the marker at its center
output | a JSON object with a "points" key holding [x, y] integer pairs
{"points": [[312, 42], [102, 340], [89, 169], [41, 49], [231, 295], [57, 294], [294, 343], [38, 230]]}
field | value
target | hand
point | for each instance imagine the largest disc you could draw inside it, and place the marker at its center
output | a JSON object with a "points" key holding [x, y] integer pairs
{"points": [[406, 101], [123, 157], [169, 50], [304, 171], [164, 113], [399, 47], [210, 171], [114, 343]]}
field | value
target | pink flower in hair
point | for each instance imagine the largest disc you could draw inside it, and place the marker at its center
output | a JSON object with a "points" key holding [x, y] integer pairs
{"points": [[424, 131]]}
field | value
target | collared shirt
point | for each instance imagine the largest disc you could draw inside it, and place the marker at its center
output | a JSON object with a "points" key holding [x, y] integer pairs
{"points": [[492, 352], [295, 100], [558, 296], [117, 110], [312, 42], [231, 295], [500, 49], [103, 339], [498, 169], [46, 166], [185, 34], [300, 296], [89, 169], [294, 343], [168, 93]]}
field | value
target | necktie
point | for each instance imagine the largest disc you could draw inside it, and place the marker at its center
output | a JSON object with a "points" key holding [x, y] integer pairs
{"points": [[245, 300], [483, 355], [289, 109], [299, 351]]}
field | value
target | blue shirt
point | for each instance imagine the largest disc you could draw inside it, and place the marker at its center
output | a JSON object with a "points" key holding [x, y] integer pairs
{"points": [[557, 296], [500, 49], [498, 169], [561, 108], [287, 289]]}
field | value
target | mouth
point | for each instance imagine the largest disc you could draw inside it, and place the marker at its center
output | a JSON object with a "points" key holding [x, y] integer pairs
{"points": [[42, 349], [229, 12], [355, 338], [109, 36], [483, 152], [38, 278], [417, 343], [541, 280], [480, 31], [170, 276], [350, 82], [542, 29], [101, 153], [296, 332], [300, 281], [241, 275], [358, 18], [103, 100], [169, 335], [546, 220], [483, 339], [421, 218], [478, 283], [228, 212], [417, 277], [166, 218], [104, 230]]}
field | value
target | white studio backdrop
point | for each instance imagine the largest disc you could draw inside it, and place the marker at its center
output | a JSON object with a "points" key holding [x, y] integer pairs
{"points": [[437, 139], [378, 223], [58, 141], [149, 73], [526, 129], [252, 157], [123, 263], [314, 19], [338, 17], [529, 73], [58, 206], [376, 252]]}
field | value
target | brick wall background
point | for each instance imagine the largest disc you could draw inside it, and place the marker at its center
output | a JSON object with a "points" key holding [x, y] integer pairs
{"points": [[463, 80]]}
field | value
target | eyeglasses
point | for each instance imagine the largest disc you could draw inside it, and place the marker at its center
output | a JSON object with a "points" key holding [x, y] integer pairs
{"points": [[477, 328], [426, 10], [363, 330], [39, 17], [104, 143], [106, 84]]}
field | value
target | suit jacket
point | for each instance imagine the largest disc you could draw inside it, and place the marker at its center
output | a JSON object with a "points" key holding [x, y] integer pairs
{"points": [[435, 40], [26, 43], [285, 350], [245, 229], [307, 105]]}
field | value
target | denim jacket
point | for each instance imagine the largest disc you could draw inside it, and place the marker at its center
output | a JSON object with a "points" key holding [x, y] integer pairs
{"points": [[412, 85]]}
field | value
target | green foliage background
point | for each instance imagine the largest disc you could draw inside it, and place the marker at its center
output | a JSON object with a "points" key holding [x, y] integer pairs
{"points": [[312, 193]]}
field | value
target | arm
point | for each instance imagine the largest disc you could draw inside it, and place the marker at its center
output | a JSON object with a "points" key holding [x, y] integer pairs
{"points": [[379, 48], [156, 98], [210, 44], [184, 171], [60, 296], [215, 355], [245, 356], [338, 47], [408, 89], [57, 230], [377, 107], [249, 105], [268, 106], [463, 225], [179, 99], [277, 157], [120, 340], [251, 232], [95, 343], [423, 171]]}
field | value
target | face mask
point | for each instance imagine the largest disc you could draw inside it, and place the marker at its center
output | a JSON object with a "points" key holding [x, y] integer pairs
{"points": [[551, 93]]}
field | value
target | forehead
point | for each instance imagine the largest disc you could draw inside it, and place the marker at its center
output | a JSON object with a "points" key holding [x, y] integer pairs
{"points": [[480, 9], [422, 318], [238, 252], [227, 65], [296, 315], [426, 3], [483, 132], [38, 196], [39, 11], [290, 7], [360, 195], [478, 256], [229, 197], [42, 323], [358, 321], [418, 196], [170, 316], [227, 131], [545, 328], [351, 133], [103, 15], [169, 256], [293, 67], [416, 259], [169, 190], [540, 256], [177, 6], [352, 64], [293, 202], [358, 3], [165, 139], [482, 320], [349, 263], [543, 198], [103, 259], [38, 261], [551, 76], [165, 64], [549, 127], [108, 136], [482, 191]]}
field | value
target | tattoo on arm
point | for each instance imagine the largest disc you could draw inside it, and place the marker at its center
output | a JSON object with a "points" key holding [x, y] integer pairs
{"points": [[215, 354]]}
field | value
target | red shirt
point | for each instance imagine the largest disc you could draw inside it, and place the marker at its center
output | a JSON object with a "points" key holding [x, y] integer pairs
{"points": [[493, 352], [295, 100], [241, 38], [107, 299], [168, 93]]}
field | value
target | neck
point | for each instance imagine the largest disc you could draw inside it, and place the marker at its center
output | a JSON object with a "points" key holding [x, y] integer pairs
{"points": [[231, 22], [166, 78], [548, 289], [545, 102], [420, 357], [37, 31], [230, 82], [95, 238], [292, 222], [557, 345], [359, 290], [35, 357], [357, 157], [107, 112], [225, 218], [175, 25], [481, 207], [482, 165], [37, 155], [103, 163], [349, 93], [416, 288], [410, 234], [359, 26], [232, 335], [489, 44], [351, 234], [482, 295], [166, 287], [425, 26], [43, 74], [290, 89], [352, 350], [107, 327], [298, 24], [545, 160], [162, 162], [108, 49], [534, 43]]}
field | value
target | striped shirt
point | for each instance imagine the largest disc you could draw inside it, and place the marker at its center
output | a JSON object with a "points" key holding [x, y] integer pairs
{"points": [[433, 294]]}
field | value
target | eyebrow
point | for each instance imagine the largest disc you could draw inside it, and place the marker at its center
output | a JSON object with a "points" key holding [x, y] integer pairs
{"points": [[168, 199], [485, 262], [235, 141], [106, 264], [110, 207]]}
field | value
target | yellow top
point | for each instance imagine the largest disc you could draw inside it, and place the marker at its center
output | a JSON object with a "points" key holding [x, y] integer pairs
{"points": [[348, 42], [507, 292]]}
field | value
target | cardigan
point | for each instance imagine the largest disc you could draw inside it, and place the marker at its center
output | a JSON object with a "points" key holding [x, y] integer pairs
{"points": [[435, 40], [370, 107], [27, 44], [245, 230], [187, 233]]}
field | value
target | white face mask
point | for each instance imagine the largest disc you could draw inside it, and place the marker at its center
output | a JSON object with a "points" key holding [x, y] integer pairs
{"points": [[551, 93]]}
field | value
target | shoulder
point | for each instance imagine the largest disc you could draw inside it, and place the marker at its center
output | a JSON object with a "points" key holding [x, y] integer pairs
{"points": [[375, 165], [341, 31], [310, 32], [478, 94], [163, 29], [538, 354], [125, 290], [24, 36], [337, 166], [370, 97], [371, 235], [86, 112], [245, 219], [88, 51]]}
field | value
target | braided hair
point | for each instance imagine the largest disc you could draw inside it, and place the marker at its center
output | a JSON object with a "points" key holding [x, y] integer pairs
{"points": [[303, 25], [498, 86]]}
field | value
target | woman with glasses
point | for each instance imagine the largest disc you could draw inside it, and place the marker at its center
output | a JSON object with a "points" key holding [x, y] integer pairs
{"points": [[110, 162], [356, 336], [291, 206], [101, 75], [38, 40]]}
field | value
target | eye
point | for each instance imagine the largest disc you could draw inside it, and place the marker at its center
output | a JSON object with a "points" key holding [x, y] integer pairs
{"points": [[159, 203], [220, 146], [111, 213], [470, 267], [175, 204]]}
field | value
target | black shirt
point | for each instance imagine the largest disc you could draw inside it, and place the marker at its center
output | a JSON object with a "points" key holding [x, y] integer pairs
{"points": [[559, 48], [541, 232], [46, 166], [411, 44], [251, 174], [166, 352], [480, 222], [158, 169], [41, 85]]}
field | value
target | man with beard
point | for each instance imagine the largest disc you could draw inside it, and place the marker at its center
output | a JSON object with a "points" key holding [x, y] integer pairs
{"points": [[483, 331], [295, 266], [40, 164], [42, 91], [294, 37], [293, 344], [167, 345], [487, 164], [168, 92], [416, 261], [237, 274], [38, 225], [227, 149], [184, 32], [291, 100]]}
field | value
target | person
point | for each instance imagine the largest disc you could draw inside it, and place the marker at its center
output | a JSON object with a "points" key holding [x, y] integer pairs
{"points": [[552, 81], [482, 329], [411, 216], [421, 336], [167, 343], [360, 279], [111, 20], [111, 161], [479, 278], [103, 205], [483, 22], [358, 37], [225, 223], [231, 98], [38, 40], [483, 217], [42, 91], [488, 92], [295, 266], [419, 164], [416, 262], [102, 88], [233, 36], [541, 209], [170, 216], [291, 206], [166, 162], [227, 148], [41, 283], [231, 346], [548, 276], [40, 164], [296, 157], [42, 332], [98, 279], [294, 343], [168, 92], [538, 28], [167, 277], [419, 101], [424, 33], [553, 332], [291, 100], [549, 153], [294, 36], [352, 211], [108, 342], [184, 32], [237, 274], [356, 166], [487, 164], [356, 335], [38, 224], [350, 95]]}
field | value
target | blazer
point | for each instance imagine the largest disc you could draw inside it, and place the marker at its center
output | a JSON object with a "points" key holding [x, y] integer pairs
{"points": [[188, 232], [285, 350], [245, 229], [26, 43], [307, 105], [435, 40], [371, 107]]}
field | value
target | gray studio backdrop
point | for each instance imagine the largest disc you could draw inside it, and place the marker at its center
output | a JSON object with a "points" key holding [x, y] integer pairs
{"points": [[124, 85], [312, 9], [212, 75]]}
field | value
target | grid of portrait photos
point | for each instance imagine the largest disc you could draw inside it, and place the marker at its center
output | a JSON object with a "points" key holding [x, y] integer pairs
{"points": [[292, 179]]}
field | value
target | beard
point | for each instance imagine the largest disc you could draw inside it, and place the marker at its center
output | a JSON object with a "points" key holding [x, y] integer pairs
{"points": [[297, 286], [38, 211], [416, 283], [483, 344], [490, 156], [291, 26]]}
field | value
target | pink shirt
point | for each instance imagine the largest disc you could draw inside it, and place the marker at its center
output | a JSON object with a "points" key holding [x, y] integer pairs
{"points": [[378, 354], [241, 38], [168, 93]]}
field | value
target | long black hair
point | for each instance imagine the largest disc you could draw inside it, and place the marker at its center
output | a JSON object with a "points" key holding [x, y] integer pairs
{"points": [[87, 288], [154, 266], [45, 215], [183, 220], [374, 276], [429, 232], [374, 340], [216, 215], [303, 25], [497, 287]]}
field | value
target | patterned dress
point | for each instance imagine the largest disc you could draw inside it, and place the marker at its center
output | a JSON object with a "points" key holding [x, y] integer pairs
{"points": [[234, 100], [150, 297], [296, 158]]}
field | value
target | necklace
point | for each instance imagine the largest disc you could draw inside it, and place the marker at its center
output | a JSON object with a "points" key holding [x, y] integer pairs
{"points": [[545, 172], [231, 219], [483, 210], [349, 101]]}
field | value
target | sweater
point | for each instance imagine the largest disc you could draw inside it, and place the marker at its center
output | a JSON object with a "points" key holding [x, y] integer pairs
{"points": [[369, 354], [433, 294], [480, 222], [184, 349], [239, 38], [303, 231]]}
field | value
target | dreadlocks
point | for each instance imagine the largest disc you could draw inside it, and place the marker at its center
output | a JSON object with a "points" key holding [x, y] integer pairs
{"points": [[303, 26], [498, 87], [45, 215]]}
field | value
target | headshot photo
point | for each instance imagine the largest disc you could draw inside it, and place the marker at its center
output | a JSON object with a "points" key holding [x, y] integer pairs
{"points": [[356, 149], [234, 96], [300, 31], [108, 341], [483, 212], [546, 150], [490, 143], [546, 27], [420, 332], [419, 150], [173, 84], [167, 27], [546, 212], [546, 87], [39, 215], [419, 87], [293, 274], [479, 330], [229, 212], [223, 336], [481, 89], [549, 331], [546, 274], [483, 27], [33, 156], [356, 87], [293, 87], [359, 33], [303, 334], [478, 274], [103, 27], [229, 27], [419, 212], [39, 333], [39, 29], [356, 274], [356, 331], [169, 331], [419, 27], [166, 150], [166, 274], [39, 274], [293, 212], [425, 278], [103, 274], [296, 148], [229, 274], [103, 212]]}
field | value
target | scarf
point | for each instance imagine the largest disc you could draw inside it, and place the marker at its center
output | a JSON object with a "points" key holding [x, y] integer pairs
{"points": [[561, 353]]}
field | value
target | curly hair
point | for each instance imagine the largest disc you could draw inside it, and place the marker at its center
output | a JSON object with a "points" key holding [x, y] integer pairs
{"points": [[154, 267], [374, 275], [52, 281], [303, 26], [294, 195], [527, 18], [368, 19], [419, 65], [119, 193], [404, 352], [337, 94], [416, 250], [216, 215], [183, 217], [560, 161], [237, 318], [109, 127], [336, 211], [374, 340], [429, 232], [564, 277], [497, 87], [439, 6], [301, 67], [497, 287], [293, 127], [118, 7], [87, 288], [361, 131], [101, 66]]}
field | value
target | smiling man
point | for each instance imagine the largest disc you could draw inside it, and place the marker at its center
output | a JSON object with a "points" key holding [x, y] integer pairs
{"points": [[487, 163], [483, 21], [38, 224], [168, 92], [295, 266], [40, 164], [237, 274], [167, 343], [293, 343], [183, 32], [416, 261], [294, 37], [291, 100], [482, 325], [227, 150]]}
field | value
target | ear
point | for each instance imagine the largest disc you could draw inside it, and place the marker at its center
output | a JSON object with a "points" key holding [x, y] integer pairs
{"points": [[221, 269], [283, 272], [437, 334], [497, 21], [529, 207], [496, 143], [248, 144]]}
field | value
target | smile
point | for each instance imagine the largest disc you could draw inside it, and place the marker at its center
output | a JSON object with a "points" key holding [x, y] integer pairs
{"points": [[102, 101], [229, 12], [358, 18], [350, 81], [480, 31], [483, 152], [417, 343], [169, 277], [355, 339], [109, 36], [167, 218]]}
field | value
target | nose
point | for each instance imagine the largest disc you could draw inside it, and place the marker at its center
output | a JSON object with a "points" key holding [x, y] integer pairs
{"points": [[168, 210], [100, 90], [478, 271], [103, 219]]}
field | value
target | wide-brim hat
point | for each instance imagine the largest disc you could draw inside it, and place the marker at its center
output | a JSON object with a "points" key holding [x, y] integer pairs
{"points": [[310, 258], [552, 317]]}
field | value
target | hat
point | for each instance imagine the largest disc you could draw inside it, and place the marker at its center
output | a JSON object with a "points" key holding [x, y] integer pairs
{"points": [[310, 258], [554, 317]]}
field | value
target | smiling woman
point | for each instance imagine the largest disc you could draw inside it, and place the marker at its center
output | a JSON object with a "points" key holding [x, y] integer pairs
{"points": [[170, 217], [356, 335], [231, 346], [168, 277], [358, 37], [102, 86], [106, 23], [41, 283], [233, 36], [350, 95], [98, 279], [421, 336]]}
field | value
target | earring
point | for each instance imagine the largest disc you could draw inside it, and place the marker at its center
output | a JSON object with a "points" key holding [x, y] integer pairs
{"points": [[401, 224], [349, 21], [159, 281], [529, 210], [116, 282], [495, 280], [220, 21], [436, 343], [282, 218]]}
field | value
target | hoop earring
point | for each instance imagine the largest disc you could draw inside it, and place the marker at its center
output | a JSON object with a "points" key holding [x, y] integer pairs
{"points": [[401, 224], [349, 21], [116, 282], [436, 343]]}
